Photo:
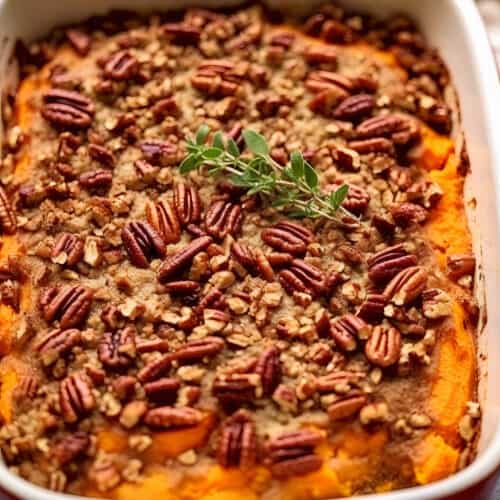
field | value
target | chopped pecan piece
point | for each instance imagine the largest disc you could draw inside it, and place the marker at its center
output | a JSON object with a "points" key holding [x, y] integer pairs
{"points": [[68, 249], [238, 441], [356, 200], [182, 33], [8, 221], [237, 388], [372, 309], [406, 286], [223, 218], [69, 304], [214, 299], [163, 218], [165, 107], [288, 237], [142, 243], [303, 277], [79, 40], [56, 343], [10, 294], [67, 109], [180, 260], [197, 350], [158, 152], [346, 329], [347, 406], [316, 54], [385, 264], [354, 107], [269, 368], [162, 391], [117, 349], [436, 303], [460, 265], [338, 381], [293, 454], [168, 417], [384, 346], [187, 204], [122, 65], [76, 397], [70, 448]]}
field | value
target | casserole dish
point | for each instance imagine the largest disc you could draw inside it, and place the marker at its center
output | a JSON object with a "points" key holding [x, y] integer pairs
{"points": [[475, 150]]}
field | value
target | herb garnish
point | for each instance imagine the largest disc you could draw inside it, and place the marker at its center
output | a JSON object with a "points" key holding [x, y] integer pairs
{"points": [[292, 188]]}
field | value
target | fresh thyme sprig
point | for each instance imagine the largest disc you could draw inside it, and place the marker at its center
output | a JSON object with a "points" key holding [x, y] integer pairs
{"points": [[292, 188]]}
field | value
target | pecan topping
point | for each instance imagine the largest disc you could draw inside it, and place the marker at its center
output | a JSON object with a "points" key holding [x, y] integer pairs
{"points": [[338, 381], [142, 243], [223, 218], [384, 265], [384, 346], [406, 286], [96, 179], [320, 55], [197, 350], [288, 237], [397, 128], [56, 343], [214, 299], [357, 200], [183, 288], [238, 441], [10, 294], [168, 417], [69, 304], [292, 453], [347, 406], [269, 368], [408, 213], [70, 448], [68, 249], [373, 145], [163, 218], [318, 81], [354, 107], [162, 391], [76, 397], [303, 277], [155, 369], [435, 303], [346, 329], [244, 255], [101, 154], [372, 309], [67, 109], [121, 66], [117, 349], [187, 204], [160, 152], [460, 265], [79, 40], [182, 33], [237, 388], [8, 221], [217, 78], [180, 260]]}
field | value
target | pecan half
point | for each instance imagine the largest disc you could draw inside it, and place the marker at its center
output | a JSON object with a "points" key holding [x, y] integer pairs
{"points": [[96, 179], [303, 277], [238, 441], [316, 54], [182, 33], [168, 417], [373, 145], [56, 343], [406, 286], [292, 453], [372, 309], [384, 346], [460, 265], [197, 350], [155, 369], [243, 253], [121, 66], [162, 391], [399, 129], [354, 107], [385, 264], [269, 368], [69, 304], [187, 204], [217, 78], [101, 154], [70, 448], [183, 288], [67, 109], [163, 218], [222, 218], [318, 81], [338, 381], [237, 388], [356, 200], [68, 249], [75, 397], [159, 152], [288, 237], [142, 243], [117, 349], [405, 214], [214, 299], [8, 220], [346, 329], [347, 406], [180, 260]]}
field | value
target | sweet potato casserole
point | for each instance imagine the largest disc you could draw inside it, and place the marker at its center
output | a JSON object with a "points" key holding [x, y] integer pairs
{"points": [[235, 261]]}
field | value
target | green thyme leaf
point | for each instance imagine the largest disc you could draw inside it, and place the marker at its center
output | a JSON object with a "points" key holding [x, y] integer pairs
{"points": [[233, 148], [310, 176], [218, 141], [255, 142], [338, 196], [189, 163], [202, 134]]}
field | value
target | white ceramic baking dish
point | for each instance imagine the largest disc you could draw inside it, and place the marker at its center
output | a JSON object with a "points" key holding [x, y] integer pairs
{"points": [[455, 28]]}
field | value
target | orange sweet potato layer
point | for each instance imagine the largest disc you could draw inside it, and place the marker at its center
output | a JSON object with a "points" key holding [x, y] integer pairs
{"points": [[354, 453]]}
